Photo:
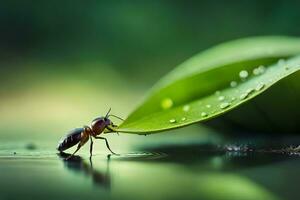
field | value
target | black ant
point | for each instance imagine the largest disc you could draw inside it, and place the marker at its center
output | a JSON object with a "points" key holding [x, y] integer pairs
{"points": [[82, 135]]}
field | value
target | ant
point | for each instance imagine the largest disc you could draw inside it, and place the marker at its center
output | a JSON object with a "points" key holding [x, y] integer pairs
{"points": [[82, 135]]}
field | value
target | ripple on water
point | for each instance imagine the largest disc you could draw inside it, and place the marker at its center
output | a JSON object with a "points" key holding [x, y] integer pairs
{"points": [[141, 156]]}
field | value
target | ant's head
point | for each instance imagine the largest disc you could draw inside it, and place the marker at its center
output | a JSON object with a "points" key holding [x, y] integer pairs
{"points": [[100, 123]]}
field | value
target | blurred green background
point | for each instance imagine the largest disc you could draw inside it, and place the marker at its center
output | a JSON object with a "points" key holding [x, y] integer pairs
{"points": [[63, 63]]}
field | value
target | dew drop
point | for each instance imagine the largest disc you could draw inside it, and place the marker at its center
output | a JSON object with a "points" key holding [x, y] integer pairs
{"points": [[249, 91], [244, 96], [217, 92], [232, 98], [186, 108], [256, 71], [260, 86], [203, 114], [172, 120], [233, 84], [259, 70], [224, 105], [243, 74], [166, 103], [262, 69], [183, 119], [221, 98], [208, 106]]}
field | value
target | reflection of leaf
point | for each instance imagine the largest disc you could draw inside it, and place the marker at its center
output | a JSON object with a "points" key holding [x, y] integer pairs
{"points": [[171, 182], [199, 89]]}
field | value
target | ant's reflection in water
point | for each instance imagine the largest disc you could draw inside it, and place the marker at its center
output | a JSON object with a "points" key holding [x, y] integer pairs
{"points": [[77, 164]]}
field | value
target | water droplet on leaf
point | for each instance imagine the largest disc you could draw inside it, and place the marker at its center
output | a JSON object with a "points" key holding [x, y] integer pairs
{"points": [[221, 98], [224, 105], [262, 69], [172, 120], [186, 108], [243, 74], [260, 86], [259, 70], [208, 106], [244, 96], [203, 114], [250, 90], [183, 119], [166, 103], [256, 71], [233, 84]]}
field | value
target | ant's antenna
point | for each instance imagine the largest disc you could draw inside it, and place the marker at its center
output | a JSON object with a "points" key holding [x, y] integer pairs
{"points": [[107, 114], [116, 117]]}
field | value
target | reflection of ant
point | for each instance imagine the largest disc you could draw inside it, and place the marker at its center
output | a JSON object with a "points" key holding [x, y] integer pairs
{"points": [[76, 163]]}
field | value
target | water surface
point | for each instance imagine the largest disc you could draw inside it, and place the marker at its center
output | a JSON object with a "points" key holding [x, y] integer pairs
{"points": [[153, 168]]}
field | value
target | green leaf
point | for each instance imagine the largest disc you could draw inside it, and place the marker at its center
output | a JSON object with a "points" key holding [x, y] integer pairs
{"points": [[199, 89]]}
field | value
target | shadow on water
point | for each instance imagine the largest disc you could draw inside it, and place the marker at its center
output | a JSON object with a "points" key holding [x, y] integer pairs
{"points": [[80, 165]]}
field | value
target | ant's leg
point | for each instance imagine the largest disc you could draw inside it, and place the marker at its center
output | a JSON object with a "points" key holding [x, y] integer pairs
{"points": [[107, 145], [91, 163], [78, 147], [91, 147], [83, 140]]}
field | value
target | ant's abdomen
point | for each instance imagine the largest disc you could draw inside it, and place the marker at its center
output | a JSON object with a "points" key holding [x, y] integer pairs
{"points": [[71, 139]]}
